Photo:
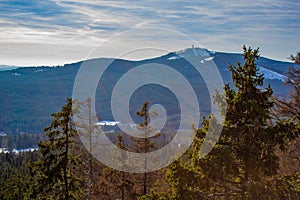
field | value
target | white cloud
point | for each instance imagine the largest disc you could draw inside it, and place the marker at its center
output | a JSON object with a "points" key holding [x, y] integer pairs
{"points": [[54, 31]]}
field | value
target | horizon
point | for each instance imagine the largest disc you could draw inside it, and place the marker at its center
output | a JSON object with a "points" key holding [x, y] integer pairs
{"points": [[57, 32], [9, 67]]}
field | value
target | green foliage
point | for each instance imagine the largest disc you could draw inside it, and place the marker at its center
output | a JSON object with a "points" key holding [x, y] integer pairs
{"points": [[246, 129], [144, 145], [54, 173], [242, 165], [243, 162], [287, 187], [15, 176]]}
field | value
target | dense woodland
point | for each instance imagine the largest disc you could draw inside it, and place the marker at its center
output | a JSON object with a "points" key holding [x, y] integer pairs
{"points": [[256, 157], [24, 90], [20, 141]]}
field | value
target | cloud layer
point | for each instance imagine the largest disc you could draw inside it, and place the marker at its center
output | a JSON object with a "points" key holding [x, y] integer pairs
{"points": [[53, 32]]}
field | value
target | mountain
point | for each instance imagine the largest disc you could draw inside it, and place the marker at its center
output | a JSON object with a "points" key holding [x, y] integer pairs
{"points": [[7, 67], [30, 94]]}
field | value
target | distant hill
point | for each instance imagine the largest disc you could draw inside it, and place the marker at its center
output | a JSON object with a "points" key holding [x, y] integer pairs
{"points": [[7, 67], [30, 94]]}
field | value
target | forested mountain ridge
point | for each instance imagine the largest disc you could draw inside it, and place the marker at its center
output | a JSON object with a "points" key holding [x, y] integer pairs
{"points": [[29, 94]]}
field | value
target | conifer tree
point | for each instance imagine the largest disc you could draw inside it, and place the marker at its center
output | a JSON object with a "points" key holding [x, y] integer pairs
{"points": [[243, 160], [54, 173], [143, 145], [14, 175], [246, 126], [86, 125]]}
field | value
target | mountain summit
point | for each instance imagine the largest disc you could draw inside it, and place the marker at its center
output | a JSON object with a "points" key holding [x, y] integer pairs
{"points": [[30, 94]]}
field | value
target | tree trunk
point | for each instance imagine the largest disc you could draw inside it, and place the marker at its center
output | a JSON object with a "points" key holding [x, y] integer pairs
{"points": [[66, 162]]}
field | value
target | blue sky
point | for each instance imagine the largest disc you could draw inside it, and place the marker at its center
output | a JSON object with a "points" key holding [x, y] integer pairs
{"points": [[54, 32]]}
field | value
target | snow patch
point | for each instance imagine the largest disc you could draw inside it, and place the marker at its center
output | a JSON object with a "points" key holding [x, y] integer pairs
{"points": [[17, 151], [202, 53], [193, 52], [174, 58], [207, 59], [271, 75], [39, 70]]}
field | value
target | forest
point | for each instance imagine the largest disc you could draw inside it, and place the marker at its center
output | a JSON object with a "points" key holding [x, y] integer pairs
{"points": [[257, 155], [23, 95]]}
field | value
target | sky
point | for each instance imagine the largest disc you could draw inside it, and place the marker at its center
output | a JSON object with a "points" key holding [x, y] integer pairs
{"points": [[55, 32]]}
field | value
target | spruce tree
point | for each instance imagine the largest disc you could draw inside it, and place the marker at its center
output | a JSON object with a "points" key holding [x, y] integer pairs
{"points": [[246, 126], [143, 145], [54, 173], [243, 161]]}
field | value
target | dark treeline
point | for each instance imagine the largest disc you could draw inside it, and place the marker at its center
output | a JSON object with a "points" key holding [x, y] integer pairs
{"points": [[256, 156], [21, 140]]}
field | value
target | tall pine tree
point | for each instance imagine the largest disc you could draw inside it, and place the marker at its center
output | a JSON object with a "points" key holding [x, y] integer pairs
{"points": [[145, 144], [54, 173], [243, 162]]}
